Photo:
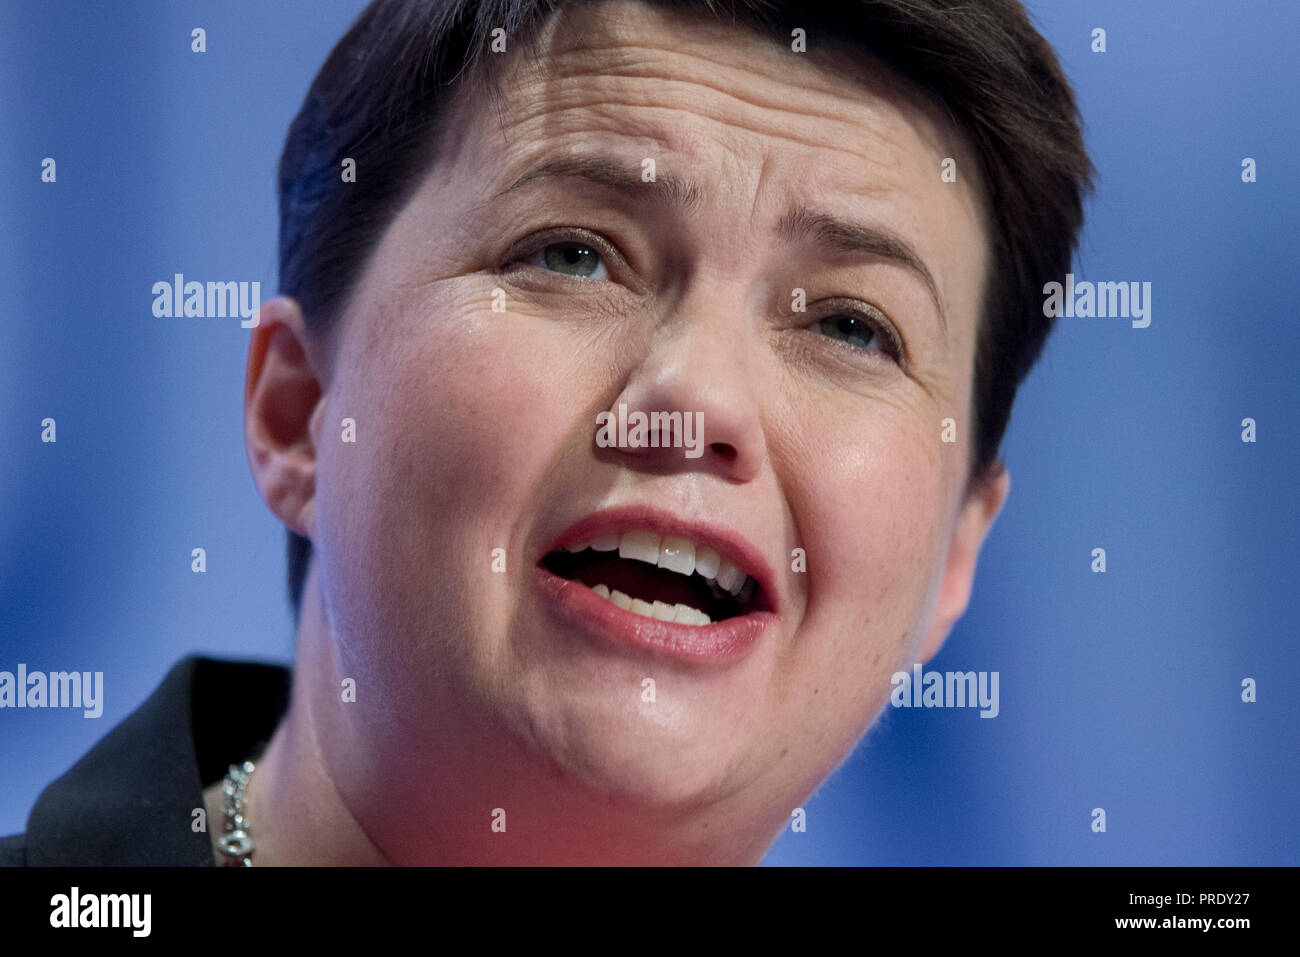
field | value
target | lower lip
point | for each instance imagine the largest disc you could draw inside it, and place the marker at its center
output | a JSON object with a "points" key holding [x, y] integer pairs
{"points": [[577, 605]]}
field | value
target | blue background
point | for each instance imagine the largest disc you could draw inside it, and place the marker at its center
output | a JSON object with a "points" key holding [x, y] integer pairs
{"points": [[1119, 691]]}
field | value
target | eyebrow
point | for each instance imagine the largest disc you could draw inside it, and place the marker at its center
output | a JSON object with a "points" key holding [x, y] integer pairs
{"points": [[668, 191], [801, 223], [840, 235]]}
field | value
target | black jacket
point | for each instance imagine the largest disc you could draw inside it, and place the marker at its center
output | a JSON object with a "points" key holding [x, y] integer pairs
{"points": [[130, 799]]}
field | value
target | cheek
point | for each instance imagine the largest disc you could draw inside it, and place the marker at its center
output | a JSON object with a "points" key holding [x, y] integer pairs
{"points": [[457, 414], [874, 507]]}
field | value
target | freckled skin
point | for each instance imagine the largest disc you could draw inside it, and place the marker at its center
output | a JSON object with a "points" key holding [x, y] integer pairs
{"points": [[475, 432]]}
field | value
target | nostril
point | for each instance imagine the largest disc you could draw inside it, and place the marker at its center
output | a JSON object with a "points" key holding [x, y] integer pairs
{"points": [[724, 451]]}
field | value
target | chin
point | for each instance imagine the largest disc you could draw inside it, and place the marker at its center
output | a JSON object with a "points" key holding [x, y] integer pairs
{"points": [[609, 743]]}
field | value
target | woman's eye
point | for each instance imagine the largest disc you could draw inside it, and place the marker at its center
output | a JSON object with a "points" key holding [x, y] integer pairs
{"points": [[578, 260], [850, 329]]}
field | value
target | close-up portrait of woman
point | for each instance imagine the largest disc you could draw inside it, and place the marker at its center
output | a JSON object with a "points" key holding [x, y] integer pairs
{"points": [[630, 392]]}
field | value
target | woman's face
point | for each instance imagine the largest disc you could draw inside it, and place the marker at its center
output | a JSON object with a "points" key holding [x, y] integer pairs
{"points": [[823, 473]]}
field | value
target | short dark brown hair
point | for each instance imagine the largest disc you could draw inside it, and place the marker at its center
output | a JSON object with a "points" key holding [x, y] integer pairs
{"points": [[386, 86]]}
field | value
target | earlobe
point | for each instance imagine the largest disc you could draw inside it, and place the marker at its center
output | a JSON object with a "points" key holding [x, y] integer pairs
{"points": [[282, 393], [979, 511]]}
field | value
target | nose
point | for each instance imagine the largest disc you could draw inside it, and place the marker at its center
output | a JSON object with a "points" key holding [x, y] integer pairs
{"points": [[697, 396]]}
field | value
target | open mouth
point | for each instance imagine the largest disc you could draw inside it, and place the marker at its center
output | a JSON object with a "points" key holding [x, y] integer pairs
{"points": [[660, 577]]}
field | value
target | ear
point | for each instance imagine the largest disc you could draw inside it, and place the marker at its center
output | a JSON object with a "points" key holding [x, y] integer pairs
{"points": [[983, 503], [284, 404]]}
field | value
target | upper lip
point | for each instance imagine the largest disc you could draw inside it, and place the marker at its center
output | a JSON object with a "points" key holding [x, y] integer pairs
{"points": [[729, 544]]}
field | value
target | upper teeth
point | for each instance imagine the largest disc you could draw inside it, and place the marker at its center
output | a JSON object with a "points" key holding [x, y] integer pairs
{"points": [[673, 554]]}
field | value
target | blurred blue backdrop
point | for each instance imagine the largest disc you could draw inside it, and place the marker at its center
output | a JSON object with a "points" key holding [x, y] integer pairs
{"points": [[1119, 691]]}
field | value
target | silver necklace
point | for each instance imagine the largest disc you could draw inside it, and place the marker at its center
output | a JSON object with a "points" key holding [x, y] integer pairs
{"points": [[235, 843]]}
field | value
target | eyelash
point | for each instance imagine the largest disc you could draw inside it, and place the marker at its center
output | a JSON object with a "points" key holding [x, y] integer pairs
{"points": [[529, 247]]}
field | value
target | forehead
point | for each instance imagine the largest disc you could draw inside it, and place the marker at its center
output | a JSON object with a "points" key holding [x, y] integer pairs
{"points": [[634, 68], [759, 128], [654, 62]]}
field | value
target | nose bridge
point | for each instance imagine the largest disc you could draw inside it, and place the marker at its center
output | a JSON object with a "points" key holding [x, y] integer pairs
{"points": [[703, 333], [699, 365], [713, 317]]}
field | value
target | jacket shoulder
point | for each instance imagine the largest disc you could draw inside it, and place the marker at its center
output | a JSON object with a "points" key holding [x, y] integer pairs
{"points": [[13, 851]]}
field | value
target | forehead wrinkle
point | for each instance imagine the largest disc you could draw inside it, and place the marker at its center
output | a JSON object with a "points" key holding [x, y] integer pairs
{"points": [[711, 76], [705, 50], [630, 46], [558, 94], [617, 39], [666, 130], [549, 96]]}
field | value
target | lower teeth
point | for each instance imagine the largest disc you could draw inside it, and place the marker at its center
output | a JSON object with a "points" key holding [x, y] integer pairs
{"points": [[659, 610]]}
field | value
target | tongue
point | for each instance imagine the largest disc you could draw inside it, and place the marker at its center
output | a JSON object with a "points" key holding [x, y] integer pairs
{"points": [[639, 580]]}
